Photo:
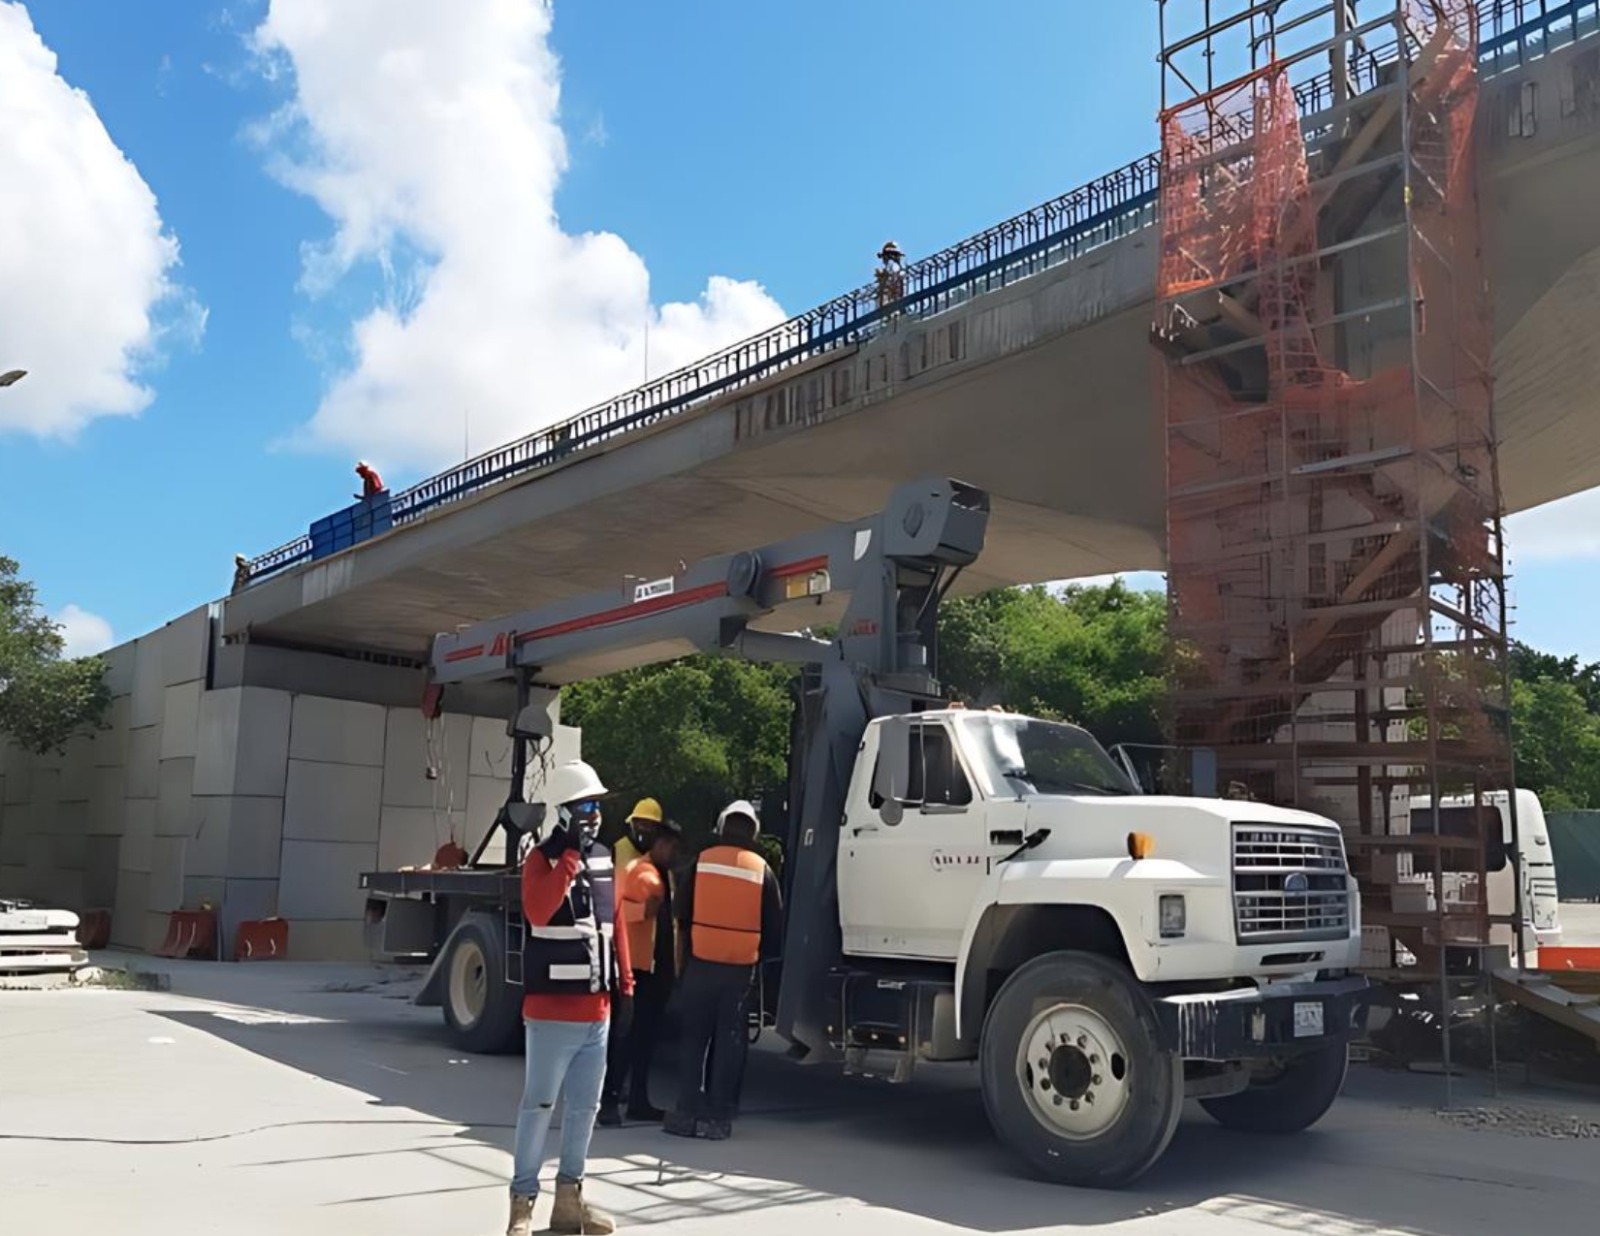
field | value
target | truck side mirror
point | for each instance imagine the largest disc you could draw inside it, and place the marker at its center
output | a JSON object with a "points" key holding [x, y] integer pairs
{"points": [[532, 722], [525, 818], [891, 779]]}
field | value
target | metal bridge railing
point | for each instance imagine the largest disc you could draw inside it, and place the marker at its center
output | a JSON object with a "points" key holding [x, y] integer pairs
{"points": [[1511, 33]]}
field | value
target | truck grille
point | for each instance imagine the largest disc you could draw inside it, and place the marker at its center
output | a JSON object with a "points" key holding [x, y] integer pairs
{"points": [[1289, 884]]}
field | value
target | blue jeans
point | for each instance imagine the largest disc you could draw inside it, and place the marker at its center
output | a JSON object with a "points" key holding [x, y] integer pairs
{"points": [[566, 1058]]}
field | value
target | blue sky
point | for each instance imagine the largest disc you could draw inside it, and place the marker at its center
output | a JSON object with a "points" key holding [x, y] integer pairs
{"points": [[363, 272]]}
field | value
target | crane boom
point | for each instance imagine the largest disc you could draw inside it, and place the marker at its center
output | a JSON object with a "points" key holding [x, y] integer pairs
{"points": [[927, 527], [892, 569]]}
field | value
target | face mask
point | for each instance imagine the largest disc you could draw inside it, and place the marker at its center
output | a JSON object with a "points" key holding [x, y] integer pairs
{"points": [[584, 817]]}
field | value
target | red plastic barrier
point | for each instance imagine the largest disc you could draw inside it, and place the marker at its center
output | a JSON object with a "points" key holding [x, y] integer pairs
{"points": [[94, 928], [190, 933], [261, 939]]}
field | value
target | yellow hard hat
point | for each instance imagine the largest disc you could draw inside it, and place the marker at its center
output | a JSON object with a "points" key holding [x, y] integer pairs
{"points": [[645, 811]]}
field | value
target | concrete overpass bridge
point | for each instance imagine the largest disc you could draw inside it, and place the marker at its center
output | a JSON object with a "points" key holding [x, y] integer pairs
{"points": [[262, 751], [1018, 359]]}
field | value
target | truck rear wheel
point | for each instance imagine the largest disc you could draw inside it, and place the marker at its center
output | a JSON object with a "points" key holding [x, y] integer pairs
{"points": [[1293, 1097], [1074, 1079], [482, 1010]]}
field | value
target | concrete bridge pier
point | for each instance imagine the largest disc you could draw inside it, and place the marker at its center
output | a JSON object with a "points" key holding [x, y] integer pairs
{"points": [[260, 779]]}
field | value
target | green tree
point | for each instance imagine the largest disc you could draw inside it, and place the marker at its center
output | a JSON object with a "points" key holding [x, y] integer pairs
{"points": [[1095, 656], [1531, 665], [44, 698], [1555, 727], [694, 733]]}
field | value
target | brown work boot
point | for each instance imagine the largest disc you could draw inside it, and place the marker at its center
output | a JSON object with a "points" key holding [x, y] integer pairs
{"points": [[521, 1223], [573, 1216]]}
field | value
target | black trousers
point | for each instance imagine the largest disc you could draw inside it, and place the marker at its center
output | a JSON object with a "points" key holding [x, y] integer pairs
{"points": [[630, 1054], [713, 1008]]}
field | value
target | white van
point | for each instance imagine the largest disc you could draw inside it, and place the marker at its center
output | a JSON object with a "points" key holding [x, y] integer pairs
{"points": [[1540, 904]]}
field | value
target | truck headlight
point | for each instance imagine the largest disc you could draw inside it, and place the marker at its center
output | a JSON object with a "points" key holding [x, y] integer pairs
{"points": [[1174, 915]]}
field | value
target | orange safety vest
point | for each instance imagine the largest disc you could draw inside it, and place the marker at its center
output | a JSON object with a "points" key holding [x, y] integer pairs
{"points": [[640, 883], [624, 854], [728, 883]]}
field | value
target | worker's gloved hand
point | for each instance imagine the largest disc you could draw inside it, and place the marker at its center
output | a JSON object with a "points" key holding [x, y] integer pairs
{"points": [[560, 840]]}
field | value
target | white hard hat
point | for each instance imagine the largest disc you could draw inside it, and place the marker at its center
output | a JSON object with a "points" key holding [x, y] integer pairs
{"points": [[574, 782], [739, 806]]}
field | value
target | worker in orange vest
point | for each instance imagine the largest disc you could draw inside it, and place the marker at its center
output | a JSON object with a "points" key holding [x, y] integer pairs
{"points": [[646, 890], [732, 913], [635, 840]]}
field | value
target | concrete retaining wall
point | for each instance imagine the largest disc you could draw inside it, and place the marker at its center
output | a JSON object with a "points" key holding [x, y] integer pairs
{"points": [[257, 799]]}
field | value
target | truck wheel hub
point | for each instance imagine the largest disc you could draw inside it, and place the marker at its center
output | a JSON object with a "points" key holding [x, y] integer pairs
{"points": [[1074, 1070], [469, 983]]}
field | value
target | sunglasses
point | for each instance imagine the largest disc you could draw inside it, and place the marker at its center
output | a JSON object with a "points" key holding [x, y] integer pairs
{"points": [[588, 806]]}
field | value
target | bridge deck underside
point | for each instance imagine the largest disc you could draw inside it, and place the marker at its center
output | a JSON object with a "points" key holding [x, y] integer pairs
{"points": [[1065, 432]]}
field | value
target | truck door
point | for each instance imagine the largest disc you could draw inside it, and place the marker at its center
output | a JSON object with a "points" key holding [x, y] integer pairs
{"points": [[910, 865]]}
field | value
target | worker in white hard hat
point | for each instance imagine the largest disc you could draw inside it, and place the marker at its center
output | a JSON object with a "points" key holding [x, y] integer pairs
{"points": [[732, 915], [575, 961], [371, 482]]}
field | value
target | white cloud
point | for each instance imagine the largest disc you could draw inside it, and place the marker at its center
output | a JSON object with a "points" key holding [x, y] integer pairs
{"points": [[1568, 528], [429, 133], [84, 633], [86, 298]]}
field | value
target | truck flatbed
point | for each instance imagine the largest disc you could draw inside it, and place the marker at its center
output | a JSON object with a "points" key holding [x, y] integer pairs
{"points": [[489, 884]]}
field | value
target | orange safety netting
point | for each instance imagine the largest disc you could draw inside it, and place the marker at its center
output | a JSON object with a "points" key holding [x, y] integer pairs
{"points": [[1332, 489]]}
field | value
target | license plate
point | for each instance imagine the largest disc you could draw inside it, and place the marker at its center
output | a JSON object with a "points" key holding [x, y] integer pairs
{"points": [[1308, 1020]]}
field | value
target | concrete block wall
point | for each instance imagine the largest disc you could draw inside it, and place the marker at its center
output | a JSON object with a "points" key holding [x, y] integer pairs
{"points": [[260, 800]]}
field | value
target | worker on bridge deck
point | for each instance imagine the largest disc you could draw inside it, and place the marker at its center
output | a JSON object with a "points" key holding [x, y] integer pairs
{"points": [[646, 891], [575, 959], [371, 482], [732, 912]]}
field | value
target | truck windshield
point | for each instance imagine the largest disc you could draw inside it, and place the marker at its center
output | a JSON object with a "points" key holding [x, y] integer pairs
{"points": [[1050, 758]]}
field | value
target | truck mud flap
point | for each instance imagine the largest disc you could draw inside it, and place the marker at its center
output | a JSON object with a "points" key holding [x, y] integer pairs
{"points": [[1281, 1020]]}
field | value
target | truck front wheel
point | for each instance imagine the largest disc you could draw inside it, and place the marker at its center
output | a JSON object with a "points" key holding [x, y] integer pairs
{"points": [[1074, 1079], [1293, 1096], [482, 1010]]}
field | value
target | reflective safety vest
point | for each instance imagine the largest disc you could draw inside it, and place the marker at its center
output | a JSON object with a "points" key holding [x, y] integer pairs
{"points": [[640, 882], [625, 854], [574, 954], [728, 884]]}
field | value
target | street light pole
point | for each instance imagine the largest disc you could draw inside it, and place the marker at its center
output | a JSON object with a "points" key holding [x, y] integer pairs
{"points": [[12, 376]]}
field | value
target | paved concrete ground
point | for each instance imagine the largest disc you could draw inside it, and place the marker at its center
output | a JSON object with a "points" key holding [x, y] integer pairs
{"points": [[314, 1100]]}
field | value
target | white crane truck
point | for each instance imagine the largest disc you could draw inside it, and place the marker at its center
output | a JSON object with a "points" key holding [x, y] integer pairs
{"points": [[960, 885]]}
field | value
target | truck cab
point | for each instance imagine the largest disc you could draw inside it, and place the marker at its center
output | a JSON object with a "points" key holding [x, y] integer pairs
{"points": [[1000, 810], [1007, 894]]}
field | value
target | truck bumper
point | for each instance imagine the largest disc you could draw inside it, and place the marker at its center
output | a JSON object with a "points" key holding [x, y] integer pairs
{"points": [[1284, 1019]]}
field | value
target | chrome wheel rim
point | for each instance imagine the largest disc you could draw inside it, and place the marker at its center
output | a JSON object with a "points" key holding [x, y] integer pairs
{"points": [[1074, 1070]]}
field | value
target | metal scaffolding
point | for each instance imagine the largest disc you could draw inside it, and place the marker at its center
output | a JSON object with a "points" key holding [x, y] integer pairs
{"points": [[1336, 571]]}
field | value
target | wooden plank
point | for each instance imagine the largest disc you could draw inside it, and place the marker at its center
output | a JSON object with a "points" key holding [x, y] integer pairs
{"points": [[1537, 993]]}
